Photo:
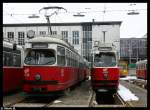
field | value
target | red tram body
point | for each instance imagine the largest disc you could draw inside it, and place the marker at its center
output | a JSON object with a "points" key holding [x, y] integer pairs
{"points": [[105, 72], [60, 68], [12, 67], [141, 69]]}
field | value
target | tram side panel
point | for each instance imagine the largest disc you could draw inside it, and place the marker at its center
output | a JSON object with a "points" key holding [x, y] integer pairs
{"points": [[141, 69], [12, 67], [12, 79]]}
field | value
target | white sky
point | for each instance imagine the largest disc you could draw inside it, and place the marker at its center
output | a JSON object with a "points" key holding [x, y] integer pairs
{"points": [[132, 25]]}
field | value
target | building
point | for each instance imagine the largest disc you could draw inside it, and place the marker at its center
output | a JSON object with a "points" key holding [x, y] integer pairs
{"points": [[133, 49], [145, 36], [81, 35]]}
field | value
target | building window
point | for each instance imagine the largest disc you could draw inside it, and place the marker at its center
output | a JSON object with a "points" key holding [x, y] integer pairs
{"points": [[65, 35], [21, 38], [61, 56], [42, 32], [87, 41], [54, 32], [75, 37], [10, 36]]}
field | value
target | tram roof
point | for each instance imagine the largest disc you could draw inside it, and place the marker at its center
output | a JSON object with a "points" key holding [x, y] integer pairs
{"points": [[141, 61], [49, 39]]}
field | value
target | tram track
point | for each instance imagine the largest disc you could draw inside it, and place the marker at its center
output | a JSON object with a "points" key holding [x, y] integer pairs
{"points": [[33, 102], [47, 102], [138, 82], [11, 104], [117, 102]]}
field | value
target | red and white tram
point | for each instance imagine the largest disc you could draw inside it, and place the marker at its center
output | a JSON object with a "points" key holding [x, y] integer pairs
{"points": [[105, 72], [51, 64], [141, 69], [12, 67]]}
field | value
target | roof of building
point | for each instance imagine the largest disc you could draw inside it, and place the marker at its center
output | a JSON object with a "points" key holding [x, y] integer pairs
{"points": [[64, 24]]}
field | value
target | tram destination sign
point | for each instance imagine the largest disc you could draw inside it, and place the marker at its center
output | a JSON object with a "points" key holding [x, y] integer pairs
{"points": [[39, 45], [105, 48]]}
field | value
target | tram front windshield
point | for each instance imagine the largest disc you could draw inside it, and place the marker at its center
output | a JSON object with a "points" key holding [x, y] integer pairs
{"points": [[123, 66], [40, 57], [105, 59]]}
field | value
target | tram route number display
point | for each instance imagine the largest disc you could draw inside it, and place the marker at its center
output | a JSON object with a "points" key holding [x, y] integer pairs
{"points": [[40, 45]]}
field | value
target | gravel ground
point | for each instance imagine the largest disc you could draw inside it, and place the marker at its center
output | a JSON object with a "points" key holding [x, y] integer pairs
{"points": [[12, 98], [78, 97]]}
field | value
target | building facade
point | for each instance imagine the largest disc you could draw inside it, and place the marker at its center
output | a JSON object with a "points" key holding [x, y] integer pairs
{"points": [[133, 49], [81, 35]]}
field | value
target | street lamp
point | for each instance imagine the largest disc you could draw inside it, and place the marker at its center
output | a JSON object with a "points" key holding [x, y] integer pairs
{"points": [[104, 36], [133, 12], [33, 16], [79, 14]]}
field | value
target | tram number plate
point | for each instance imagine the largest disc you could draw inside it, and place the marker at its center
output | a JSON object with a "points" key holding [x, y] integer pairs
{"points": [[105, 76], [36, 89]]}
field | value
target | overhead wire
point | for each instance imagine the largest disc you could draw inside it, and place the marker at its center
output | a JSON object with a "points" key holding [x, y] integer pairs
{"points": [[75, 12]]}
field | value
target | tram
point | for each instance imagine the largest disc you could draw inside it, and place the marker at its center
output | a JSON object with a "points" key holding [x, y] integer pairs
{"points": [[141, 69], [105, 72], [123, 68], [12, 67], [50, 65]]}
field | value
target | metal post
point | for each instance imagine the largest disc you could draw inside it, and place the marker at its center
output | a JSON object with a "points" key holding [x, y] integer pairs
{"points": [[104, 36], [49, 25], [137, 51]]}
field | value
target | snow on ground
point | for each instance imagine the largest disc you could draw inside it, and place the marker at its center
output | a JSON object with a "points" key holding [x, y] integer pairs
{"points": [[128, 78], [126, 94], [57, 101]]}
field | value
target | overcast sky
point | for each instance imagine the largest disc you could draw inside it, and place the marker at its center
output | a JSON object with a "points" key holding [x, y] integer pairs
{"points": [[132, 25]]}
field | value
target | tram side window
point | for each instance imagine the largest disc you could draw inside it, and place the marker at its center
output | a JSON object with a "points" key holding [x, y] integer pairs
{"points": [[67, 57], [16, 59], [75, 60], [7, 59], [139, 66], [71, 58], [143, 67], [136, 66], [61, 56]]}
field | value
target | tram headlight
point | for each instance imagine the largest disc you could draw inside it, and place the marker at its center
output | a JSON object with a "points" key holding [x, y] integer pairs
{"points": [[37, 77]]}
